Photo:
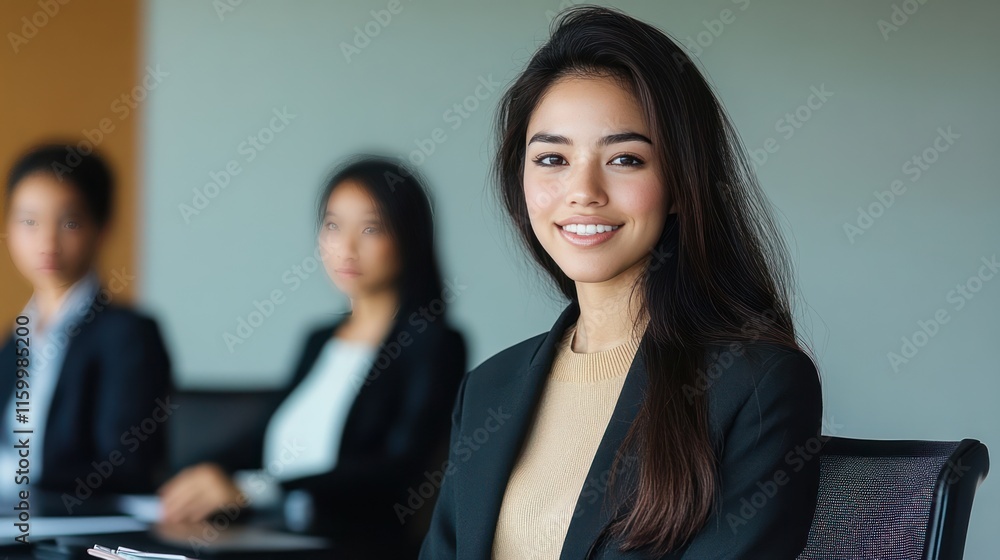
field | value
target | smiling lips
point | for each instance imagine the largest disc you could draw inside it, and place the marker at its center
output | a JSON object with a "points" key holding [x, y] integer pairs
{"points": [[588, 229], [586, 234]]}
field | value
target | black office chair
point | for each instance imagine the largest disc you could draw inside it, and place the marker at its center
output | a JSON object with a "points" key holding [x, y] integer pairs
{"points": [[891, 500], [207, 420]]}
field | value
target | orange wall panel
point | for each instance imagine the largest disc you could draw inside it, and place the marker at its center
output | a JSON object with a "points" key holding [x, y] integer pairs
{"points": [[64, 67]]}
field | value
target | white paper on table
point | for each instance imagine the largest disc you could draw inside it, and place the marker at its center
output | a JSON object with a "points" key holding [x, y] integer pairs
{"points": [[45, 527], [144, 507]]}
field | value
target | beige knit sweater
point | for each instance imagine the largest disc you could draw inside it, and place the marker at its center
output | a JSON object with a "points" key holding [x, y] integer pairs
{"points": [[576, 404]]}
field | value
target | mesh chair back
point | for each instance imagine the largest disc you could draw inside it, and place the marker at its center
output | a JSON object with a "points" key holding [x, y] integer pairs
{"points": [[894, 500]]}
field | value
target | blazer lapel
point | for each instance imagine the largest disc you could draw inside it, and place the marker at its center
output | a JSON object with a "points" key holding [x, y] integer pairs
{"points": [[519, 394], [595, 506]]}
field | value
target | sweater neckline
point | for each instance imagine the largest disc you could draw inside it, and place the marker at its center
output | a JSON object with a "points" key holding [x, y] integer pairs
{"points": [[592, 366]]}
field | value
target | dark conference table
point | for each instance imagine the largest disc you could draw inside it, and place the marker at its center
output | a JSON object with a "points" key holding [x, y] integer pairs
{"points": [[75, 547], [251, 543], [258, 536]]}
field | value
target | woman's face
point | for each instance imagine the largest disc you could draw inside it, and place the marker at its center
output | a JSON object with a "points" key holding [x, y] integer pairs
{"points": [[358, 253], [52, 238], [590, 166]]}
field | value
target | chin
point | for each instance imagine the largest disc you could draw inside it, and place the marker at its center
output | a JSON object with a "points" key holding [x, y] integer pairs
{"points": [[47, 280], [350, 290], [581, 272]]}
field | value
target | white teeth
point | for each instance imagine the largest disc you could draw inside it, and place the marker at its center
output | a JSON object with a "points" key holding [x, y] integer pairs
{"points": [[588, 229]]}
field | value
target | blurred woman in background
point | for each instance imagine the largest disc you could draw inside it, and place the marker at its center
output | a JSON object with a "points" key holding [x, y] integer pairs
{"points": [[366, 412]]}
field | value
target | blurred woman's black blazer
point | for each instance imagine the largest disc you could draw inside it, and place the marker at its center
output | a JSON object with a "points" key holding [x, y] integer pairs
{"points": [[397, 424], [765, 413], [115, 377]]}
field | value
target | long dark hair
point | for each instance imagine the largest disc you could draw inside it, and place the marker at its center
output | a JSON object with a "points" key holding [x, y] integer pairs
{"points": [[719, 273], [404, 206]]}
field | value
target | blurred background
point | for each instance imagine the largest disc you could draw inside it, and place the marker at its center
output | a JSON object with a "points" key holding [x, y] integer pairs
{"points": [[872, 129]]}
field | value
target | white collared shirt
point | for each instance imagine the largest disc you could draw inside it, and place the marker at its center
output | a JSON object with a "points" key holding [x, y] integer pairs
{"points": [[47, 344], [303, 435]]}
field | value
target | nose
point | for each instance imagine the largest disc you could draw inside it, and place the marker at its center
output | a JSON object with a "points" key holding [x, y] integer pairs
{"points": [[338, 248], [585, 186], [49, 241], [347, 249]]}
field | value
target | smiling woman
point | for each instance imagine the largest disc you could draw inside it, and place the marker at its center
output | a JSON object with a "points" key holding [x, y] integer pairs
{"points": [[626, 182]]}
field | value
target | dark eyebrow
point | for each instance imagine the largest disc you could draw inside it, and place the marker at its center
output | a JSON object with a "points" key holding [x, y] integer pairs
{"points": [[605, 141], [366, 214], [550, 139], [624, 137]]}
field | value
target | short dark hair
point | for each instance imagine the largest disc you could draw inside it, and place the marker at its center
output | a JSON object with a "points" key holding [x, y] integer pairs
{"points": [[89, 173]]}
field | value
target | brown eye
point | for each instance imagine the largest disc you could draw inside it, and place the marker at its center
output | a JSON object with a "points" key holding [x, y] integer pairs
{"points": [[627, 160], [549, 160]]}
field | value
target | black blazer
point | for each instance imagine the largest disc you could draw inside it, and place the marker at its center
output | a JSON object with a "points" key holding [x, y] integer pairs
{"points": [[115, 377], [761, 408], [396, 429]]}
